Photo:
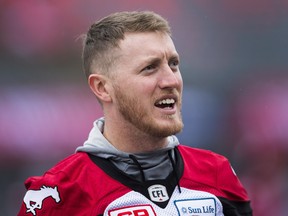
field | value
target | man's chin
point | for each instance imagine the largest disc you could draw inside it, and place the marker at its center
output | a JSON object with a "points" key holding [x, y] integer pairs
{"points": [[166, 129]]}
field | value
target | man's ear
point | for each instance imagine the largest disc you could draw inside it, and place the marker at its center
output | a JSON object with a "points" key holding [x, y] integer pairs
{"points": [[99, 84]]}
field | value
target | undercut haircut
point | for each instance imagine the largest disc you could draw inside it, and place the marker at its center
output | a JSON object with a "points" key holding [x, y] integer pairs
{"points": [[103, 37]]}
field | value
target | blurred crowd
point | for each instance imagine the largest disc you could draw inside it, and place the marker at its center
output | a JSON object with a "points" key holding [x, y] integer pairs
{"points": [[235, 70]]}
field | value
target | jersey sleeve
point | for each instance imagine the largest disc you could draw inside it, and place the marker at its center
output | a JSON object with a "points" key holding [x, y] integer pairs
{"points": [[235, 200], [52, 195]]}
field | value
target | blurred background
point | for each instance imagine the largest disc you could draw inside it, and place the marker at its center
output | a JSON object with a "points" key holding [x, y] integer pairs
{"points": [[234, 62]]}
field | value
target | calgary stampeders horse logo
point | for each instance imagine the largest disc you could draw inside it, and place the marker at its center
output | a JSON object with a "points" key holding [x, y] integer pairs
{"points": [[34, 198]]}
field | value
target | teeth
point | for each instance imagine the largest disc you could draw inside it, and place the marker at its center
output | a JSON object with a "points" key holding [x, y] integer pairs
{"points": [[167, 101]]}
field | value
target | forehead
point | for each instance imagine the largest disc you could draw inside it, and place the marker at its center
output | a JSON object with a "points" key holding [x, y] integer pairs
{"points": [[147, 44]]}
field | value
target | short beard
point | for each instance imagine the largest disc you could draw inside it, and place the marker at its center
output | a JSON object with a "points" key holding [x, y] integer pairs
{"points": [[132, 111]]}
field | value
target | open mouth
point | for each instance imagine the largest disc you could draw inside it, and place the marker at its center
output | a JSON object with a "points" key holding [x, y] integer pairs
{"points": [[167, 103]]}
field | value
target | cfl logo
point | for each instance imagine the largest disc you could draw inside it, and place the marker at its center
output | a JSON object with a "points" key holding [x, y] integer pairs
{"points": [[158, 193]]}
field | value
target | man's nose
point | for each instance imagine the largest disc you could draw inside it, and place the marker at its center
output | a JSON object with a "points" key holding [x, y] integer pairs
{"points": [[169, 78]]}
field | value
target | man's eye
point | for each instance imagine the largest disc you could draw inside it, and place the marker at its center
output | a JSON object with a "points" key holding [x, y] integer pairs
{"points": [[174, 64], [149, 68]]}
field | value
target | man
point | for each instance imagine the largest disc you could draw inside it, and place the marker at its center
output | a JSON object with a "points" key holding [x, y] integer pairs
{"points": [[132, 164]]}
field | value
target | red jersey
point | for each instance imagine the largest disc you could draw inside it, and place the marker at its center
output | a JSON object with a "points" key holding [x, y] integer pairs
{"points": [[203, 183]]}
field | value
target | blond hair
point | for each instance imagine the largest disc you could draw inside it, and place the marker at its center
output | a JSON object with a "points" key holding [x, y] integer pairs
{"points": [[103, 37]]}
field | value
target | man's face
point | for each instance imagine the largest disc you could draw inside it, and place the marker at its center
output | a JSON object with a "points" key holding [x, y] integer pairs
{"points": [[148, 85]]}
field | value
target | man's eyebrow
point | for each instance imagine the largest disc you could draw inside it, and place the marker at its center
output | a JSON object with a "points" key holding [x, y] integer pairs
{"points": [[174, 57], [157, 60], [152, 60]]}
